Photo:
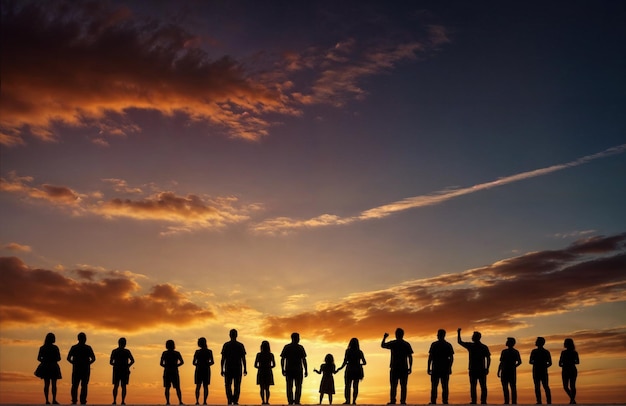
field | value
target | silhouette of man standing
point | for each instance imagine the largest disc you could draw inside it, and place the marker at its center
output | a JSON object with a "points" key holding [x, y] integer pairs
{"points": [[121, 360], [400, 365], [479, 362], [233, 359], [81, 357], [292, 361], [440, 359], [541, 360]]}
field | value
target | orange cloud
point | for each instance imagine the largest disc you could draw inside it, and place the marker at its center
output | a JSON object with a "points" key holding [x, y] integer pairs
{"points": [[499, 297], [13, 246], [109, 300]]}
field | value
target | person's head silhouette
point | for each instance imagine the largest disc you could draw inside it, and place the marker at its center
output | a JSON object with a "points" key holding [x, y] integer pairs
{"points": [[441, 334], [476, 336], [295, 338], [233, 334], [170, 345], [121, 342], [50, 338], [399, 334], [202, 342], [82, 338]]}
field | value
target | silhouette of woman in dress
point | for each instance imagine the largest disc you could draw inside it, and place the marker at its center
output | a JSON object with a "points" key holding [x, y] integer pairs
{"points": [[327, 385], [353, 361], [48, 369], [264, 362], [568, 361]]}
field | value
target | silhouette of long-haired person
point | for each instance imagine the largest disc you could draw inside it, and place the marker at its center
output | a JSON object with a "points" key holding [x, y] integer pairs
{"points": [[440, 360], [81, 357], [568, 361], [202, 359], [479, 363], [507, 371], [48, 369], [327, 384], [233, 365], [170, 361], [292, 362], [353, 361], [122, 360], [400, 365], [541, 360], [265, 362]]}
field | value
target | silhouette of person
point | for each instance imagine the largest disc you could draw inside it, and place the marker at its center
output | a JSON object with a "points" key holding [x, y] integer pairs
{"points": [[440, 359], [507, 370], [202, 359], [327, 384], [479, 363], [48, 369], [541, 360], [122, 360], [568, 361], [400, 365], [81, 357], [264, 362], [353, 361], [233, 360], [170, 361], [292, 362]]}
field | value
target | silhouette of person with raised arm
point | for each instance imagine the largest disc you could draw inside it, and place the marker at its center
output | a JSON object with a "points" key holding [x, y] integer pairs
{"points": [[400, 365], [292, 362], [479, 363], [353, 361], [264, 362], [568, 361], [122, 360], [233, 362], [81, 357], [440, 360], [327, 384], [202, 359], [507, 370], [541, 360], [48, 369], [170, 361]]}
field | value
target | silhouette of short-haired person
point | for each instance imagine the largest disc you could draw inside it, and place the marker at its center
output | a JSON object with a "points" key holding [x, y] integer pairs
{"points": [[48, 369], [440, 360], [122, 360], [479, 363], [327, 384], [353, 361], [568, 361], [292, 362], [400, 365], [264, 362], [233, 360], [170, 361], [202, 359], [541, 360], [507, 370], [81, 357]]}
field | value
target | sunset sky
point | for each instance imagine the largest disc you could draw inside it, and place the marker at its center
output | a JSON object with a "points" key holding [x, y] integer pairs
{"points": [[175, 169]]}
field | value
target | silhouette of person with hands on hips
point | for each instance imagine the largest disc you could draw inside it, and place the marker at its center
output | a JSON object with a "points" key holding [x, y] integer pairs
{"points": [[400, 365], [202, 359], [170, 361], [233, 362], [440, 360], [507, 371], [353, 361], [264, 362], [121, 360], [292, 362], [48, 369], [479, 363], [541, 360], [81, 357], [568, 361]]}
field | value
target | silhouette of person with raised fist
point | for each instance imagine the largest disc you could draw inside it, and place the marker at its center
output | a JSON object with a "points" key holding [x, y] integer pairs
{"points": [[400, 365], [479, 363]]}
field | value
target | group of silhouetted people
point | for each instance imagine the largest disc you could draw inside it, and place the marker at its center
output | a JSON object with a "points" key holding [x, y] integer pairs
{"points": [[294, 368]]}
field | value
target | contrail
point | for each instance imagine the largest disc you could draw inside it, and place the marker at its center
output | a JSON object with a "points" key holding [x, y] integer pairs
{"points": [[283, 225]]}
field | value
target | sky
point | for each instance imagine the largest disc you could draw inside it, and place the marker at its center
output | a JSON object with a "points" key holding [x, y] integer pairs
{"points": [[175, 169]]}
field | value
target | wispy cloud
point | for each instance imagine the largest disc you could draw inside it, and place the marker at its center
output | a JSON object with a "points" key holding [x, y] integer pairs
{"points": [[110, 300], [503, 296], [285, 225], [89, 68], [16, 247]]}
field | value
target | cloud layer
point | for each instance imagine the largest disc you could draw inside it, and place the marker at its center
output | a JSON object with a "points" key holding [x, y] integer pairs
{"points": [[501, 297], [109, 300]]}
